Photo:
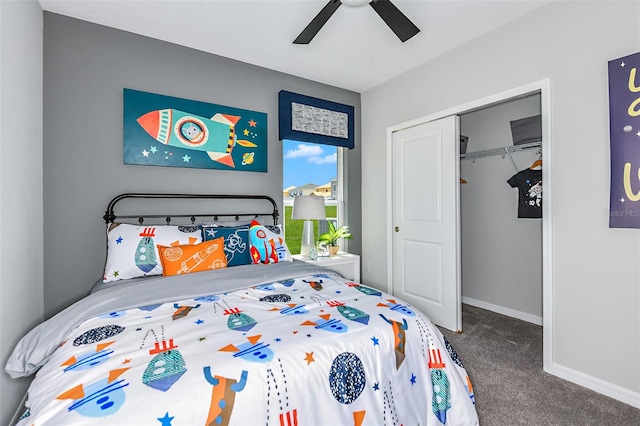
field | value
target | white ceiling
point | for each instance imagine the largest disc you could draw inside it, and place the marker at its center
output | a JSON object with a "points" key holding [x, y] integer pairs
{"points": [[355, 50]]}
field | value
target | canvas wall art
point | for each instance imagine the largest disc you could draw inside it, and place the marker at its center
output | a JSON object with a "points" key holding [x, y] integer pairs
{"points": [[174, 132], [624, 124]]}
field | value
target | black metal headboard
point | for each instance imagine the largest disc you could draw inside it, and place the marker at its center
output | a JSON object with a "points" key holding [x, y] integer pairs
{"points": [[110, 215]]}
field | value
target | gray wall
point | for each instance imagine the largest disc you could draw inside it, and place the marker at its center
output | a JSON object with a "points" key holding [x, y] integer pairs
{"points": [[596, 290], [21, 275], [501, 254], [86, 66]]}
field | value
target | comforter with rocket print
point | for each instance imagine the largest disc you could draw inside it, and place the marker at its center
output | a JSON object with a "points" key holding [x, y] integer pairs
{"points": [[314, 349]]}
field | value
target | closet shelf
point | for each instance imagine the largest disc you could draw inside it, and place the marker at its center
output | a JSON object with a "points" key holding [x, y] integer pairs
{"points": [[501, 151]]}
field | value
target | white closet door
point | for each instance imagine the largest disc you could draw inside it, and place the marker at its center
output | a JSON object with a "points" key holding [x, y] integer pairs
{"points": [[426, 254]]}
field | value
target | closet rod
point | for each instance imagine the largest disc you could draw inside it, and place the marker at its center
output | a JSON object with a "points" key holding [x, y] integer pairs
{"points": [[501, 151]]}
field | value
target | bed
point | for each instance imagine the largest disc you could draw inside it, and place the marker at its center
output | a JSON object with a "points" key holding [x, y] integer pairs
{"points": [[269, 342]]}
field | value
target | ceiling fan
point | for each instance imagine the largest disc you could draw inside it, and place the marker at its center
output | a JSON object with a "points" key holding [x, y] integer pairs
{"points": [[396, 20]]}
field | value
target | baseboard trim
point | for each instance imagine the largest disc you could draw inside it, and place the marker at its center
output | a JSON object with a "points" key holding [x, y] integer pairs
{"points": [[502, 310], [598, 385]]}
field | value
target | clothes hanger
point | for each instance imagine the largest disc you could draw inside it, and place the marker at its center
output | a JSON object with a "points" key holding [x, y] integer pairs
{"points": [[536, 165]]}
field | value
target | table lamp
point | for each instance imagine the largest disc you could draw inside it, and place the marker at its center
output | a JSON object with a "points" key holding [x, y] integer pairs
{"points": [[308, 207]]}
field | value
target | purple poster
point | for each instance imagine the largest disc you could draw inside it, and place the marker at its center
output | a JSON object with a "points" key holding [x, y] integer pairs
{"points": [[624, 122]]}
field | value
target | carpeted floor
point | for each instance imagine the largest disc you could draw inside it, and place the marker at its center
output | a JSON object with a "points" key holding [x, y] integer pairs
{"points": [[503, 357]]}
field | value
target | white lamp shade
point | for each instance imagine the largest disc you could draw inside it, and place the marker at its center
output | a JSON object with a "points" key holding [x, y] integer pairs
{"points": [[308, 207]]}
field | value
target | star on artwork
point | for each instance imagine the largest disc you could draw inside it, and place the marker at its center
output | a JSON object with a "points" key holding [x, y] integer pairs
{"points": [[119, 240], [375, 340], [145, 153], [153, 149], [186, 158], [376, 386], [309, 357], [622, 200], [638, 134], [246, 132], [252, 123], [116, 273], [166, 420], [277, 339], [413, 379], [199, 321], [202, 338], [126, 361], [622, 64]]}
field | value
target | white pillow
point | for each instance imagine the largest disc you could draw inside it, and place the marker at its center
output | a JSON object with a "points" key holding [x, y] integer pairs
{"points": [[132, 250]]}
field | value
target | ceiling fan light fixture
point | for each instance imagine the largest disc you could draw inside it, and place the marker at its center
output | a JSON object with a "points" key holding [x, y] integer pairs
{"points": [[355, 3], [391, 15]]}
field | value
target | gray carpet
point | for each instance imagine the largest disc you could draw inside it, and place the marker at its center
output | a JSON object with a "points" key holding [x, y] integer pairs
{"points": [[503, 357]]}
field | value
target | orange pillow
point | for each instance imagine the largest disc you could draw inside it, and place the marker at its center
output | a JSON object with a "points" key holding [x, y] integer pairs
{"points": [[185, 259]]}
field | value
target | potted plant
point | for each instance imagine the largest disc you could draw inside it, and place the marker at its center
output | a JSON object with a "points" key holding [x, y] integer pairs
{"points": [[331, 238]]}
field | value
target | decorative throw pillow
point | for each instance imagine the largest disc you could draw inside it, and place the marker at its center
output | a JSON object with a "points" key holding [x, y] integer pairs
{"points": [[268, 245], [236, 242], [132, 252], [208, 255]]}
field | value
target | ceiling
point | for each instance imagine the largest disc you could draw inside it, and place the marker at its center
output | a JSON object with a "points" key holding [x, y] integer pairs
{"points": [[355, 50]]}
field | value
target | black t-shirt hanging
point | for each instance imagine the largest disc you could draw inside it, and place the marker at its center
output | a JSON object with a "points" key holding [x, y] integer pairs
{"points": [[529, 184]]}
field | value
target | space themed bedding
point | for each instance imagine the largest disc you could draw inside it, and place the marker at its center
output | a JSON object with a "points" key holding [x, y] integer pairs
{"points": [[282, 344]]}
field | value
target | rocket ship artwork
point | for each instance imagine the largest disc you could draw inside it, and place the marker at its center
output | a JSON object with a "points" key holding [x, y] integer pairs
{"points": [[253, 351], [396, 307], [99, 399], [440, 401], [293, 309], [216, 135], [238, 320], [182, 311], [314, 284], [287, 283], [89, 359], [366, 290], [400, 338], [166, 367], [223, 396], [350, 313], [470, 390], [145, 256], [332, 325]]}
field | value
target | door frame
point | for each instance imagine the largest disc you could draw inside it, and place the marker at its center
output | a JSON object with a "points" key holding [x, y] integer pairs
{"points": [[543, 87]]}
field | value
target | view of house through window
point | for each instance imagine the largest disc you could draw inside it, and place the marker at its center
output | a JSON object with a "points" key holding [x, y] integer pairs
{"points": [[309, 169]]}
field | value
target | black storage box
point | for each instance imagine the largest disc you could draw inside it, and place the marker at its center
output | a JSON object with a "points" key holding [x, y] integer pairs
{"points": [[463, 144], [527, 130]]}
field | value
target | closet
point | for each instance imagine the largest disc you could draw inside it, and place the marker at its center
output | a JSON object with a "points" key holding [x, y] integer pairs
{"points": [[501, 254]]}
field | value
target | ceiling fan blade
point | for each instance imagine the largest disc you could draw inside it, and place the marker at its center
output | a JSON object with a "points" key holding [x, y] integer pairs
{"points": [[396, 20], [318, 22]]}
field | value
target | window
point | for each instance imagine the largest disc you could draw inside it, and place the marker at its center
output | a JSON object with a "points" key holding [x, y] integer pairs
{"points": [[310, 169]]}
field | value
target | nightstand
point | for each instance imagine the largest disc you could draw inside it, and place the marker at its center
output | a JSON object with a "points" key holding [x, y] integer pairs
{"points": [[346, 264]]}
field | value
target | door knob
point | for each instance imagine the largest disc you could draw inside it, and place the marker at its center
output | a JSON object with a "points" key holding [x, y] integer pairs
{"points": [[397, 229]]}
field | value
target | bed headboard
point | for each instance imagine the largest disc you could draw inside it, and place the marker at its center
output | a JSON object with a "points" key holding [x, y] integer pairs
{"points": [[111, 216]]}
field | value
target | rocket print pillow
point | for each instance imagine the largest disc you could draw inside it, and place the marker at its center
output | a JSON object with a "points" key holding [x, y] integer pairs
{"points": [[267, 244], [208, 255], [132, 251]]}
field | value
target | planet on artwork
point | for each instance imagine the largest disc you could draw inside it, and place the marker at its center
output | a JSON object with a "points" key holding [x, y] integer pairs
{"points": [[247, 158], [627, 128]]}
